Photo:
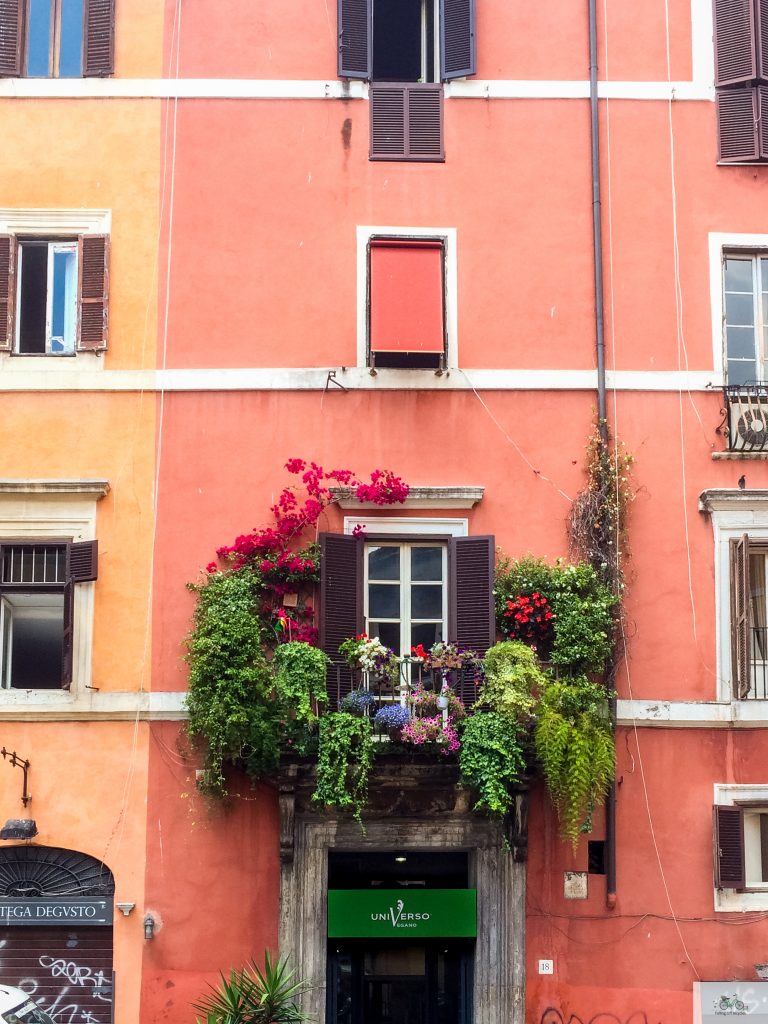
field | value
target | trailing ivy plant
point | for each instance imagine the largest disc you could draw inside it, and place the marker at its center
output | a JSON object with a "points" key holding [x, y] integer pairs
{"points": [[300, 679], [581, 634], [491, 760], [344, 762], [575, 747], [230, 700]]}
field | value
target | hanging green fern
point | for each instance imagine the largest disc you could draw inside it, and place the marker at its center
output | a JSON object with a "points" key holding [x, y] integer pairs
{"points": [[574, 745], [344, 762]]}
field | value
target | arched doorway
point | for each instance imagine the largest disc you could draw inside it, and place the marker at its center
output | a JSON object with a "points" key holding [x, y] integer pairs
{"points": [[56, 911]]}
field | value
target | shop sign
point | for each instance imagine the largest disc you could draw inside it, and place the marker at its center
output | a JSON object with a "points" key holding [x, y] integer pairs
{"points": [[716, 1002], [402, 913], [55, 912]]}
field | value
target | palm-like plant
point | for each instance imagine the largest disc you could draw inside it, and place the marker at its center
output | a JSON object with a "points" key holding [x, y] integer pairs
{"points": [[255, 996]]}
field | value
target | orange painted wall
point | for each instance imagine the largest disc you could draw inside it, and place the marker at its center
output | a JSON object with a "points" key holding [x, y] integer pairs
{"points": [[88, 784]]}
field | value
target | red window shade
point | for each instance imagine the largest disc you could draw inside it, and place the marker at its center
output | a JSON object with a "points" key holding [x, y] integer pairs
{"points": [[406, 296]]}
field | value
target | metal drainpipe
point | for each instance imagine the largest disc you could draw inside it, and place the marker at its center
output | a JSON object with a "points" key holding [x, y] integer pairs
{"points": [[597, 242]]}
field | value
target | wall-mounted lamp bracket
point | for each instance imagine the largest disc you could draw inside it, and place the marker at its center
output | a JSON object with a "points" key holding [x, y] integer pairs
{"points": [[18, 762]]}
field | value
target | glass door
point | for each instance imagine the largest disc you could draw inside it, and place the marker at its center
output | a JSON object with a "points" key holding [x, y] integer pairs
{"points": [[399, 983]]}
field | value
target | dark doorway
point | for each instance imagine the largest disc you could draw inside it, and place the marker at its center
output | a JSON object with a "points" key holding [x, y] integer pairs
{"points": [[401, 981]]}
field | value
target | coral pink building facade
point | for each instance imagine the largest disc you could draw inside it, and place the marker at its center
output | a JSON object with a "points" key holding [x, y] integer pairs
{"points": [[252, 193]]}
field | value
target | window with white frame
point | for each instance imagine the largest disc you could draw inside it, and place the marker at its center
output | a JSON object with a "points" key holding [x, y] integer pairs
{"points": [[48, 560], [745, 315], [407, 288], [406, 594], [36, 610], [740, 822], [53, 294]]}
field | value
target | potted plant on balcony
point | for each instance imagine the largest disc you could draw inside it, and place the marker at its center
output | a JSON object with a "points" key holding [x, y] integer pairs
{"points": [[370, 656], [391, 718], [358, 702]]}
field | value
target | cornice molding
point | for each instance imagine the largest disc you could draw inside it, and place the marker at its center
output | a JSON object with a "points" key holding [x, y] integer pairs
{"points": [[418, 497], [732, 499], [90, 489]]}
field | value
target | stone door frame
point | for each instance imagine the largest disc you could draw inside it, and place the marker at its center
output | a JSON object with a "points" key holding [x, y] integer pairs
{"points": [[499, 971]]}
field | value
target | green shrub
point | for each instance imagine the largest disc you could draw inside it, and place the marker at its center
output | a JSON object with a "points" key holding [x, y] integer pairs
{"points": [[300, 679], [491, 761]]}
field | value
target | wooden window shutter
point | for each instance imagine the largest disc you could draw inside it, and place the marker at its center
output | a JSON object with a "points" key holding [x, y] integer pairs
{"points": [[739, 581], [11, 37], [83, 561], [471, 612], [472, 615], [730, 872], [762, 121], [425, 122], [737, 136], [761, 38], [735, 50], [341, 605], [67, 653], [94, 287], [7, 290], [355, 27], [406, 122], [457, 39], [99, 39]]}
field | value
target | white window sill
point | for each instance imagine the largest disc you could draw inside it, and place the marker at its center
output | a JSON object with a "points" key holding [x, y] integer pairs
{"points": [[90, 704], [730, 901], [16, 362]]}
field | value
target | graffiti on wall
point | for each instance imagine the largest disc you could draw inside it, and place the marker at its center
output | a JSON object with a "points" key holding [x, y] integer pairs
{"points": [[553, 1016], [70, 991]]}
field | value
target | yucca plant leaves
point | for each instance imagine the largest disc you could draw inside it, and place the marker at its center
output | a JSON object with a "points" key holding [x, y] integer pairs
{"points": [[255, 995]]}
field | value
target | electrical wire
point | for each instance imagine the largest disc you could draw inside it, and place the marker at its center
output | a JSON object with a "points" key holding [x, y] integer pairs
{"points": [[515, 445]]}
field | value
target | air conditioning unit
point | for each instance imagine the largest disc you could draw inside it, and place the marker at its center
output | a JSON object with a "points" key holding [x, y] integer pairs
{"points": [[748, 418]]}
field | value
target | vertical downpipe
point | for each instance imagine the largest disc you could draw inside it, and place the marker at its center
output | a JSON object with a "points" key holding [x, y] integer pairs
{"points": [[597, 243]]}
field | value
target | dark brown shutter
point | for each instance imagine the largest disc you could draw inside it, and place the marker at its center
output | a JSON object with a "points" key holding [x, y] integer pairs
{"points": [[425, 122], [471, 612], [11, 37], [472, 617], [737, 136], [761, 38], [7, 280], [762, 121], [355, 26], [68, 636], [84, 561], [457, 38], [729, 847], [94, 288], [99, 39], [735, 50], [739, 580], [406, 122], [341, 604]]}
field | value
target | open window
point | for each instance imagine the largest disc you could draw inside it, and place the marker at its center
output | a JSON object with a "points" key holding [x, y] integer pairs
{"points": [[741, 846], [53, 294], [741, 78], [406, 48], [36, 610], [57, 38], [749, 617], [406, 303]]}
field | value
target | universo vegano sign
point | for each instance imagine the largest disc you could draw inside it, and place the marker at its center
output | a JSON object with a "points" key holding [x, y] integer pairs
{"points": [[402, 913]]}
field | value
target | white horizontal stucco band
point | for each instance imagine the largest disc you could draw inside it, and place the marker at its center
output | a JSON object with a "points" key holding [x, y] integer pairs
{"points": [[302, 89], [93, 705], [20, 374]]}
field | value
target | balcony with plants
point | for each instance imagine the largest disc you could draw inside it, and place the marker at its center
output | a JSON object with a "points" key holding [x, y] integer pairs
{"points": [[264, 699]]}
